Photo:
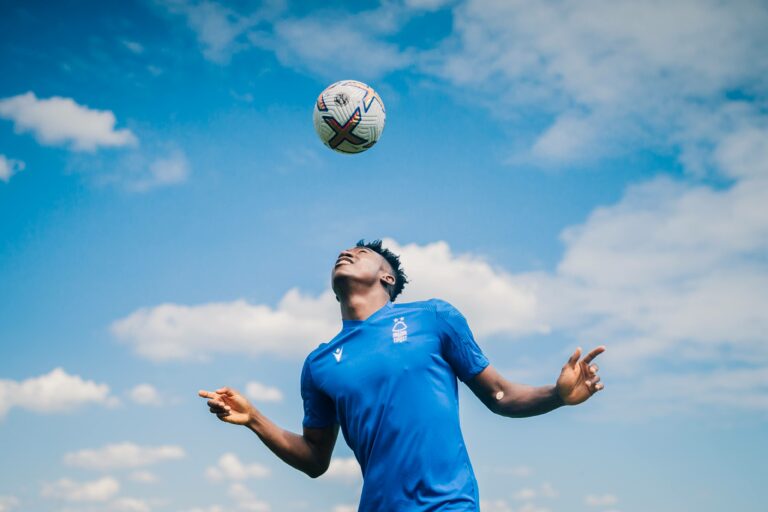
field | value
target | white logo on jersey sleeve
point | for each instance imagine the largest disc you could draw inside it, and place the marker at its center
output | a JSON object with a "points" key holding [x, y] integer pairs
{"points": [[337, 354]]}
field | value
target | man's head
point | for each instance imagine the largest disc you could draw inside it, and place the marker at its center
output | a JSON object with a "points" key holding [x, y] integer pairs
{"points": [[369, 264]]}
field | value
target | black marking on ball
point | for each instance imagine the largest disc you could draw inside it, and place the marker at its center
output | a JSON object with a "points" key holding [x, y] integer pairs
{"points": [[341, 99]]}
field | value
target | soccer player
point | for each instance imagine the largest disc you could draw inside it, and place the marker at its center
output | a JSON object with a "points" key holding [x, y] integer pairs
{"points": [[388, 379]]}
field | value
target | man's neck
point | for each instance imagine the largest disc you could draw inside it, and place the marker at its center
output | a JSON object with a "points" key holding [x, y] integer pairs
{"points": [[359, 306]]}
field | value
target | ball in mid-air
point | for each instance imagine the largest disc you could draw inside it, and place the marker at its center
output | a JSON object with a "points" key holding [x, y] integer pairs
{"points": [[349, 116]]}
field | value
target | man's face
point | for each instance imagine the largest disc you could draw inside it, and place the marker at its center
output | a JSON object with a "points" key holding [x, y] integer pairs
{"points": [[362, 265]]}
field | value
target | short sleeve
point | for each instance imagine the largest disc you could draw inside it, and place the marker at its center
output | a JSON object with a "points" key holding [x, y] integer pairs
{"points": [[319, 410], [458, 344]]}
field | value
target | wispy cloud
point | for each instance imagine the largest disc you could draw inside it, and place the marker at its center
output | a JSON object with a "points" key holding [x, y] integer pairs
{"points": [[163, 171], [220, 28], [91, 491], [9, 167], [123, 455], [600, 500], [245, 499], [229, 467], [263, 393], [607, 82], [156, 166], [343, 469], [145, 394], [8, 503]]}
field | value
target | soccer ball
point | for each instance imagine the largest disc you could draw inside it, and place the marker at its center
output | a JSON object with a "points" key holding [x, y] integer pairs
{"points": [[349, 116]]}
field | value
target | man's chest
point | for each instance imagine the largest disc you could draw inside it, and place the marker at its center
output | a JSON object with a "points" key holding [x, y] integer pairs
{"points": [[377, 357]]}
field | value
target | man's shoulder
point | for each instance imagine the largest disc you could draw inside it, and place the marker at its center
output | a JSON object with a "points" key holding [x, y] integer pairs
{"points": [[323, 348], [432, 305]]}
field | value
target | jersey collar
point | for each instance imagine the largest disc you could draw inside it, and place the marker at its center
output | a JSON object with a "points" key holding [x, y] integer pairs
{"points": [[351, 324]]}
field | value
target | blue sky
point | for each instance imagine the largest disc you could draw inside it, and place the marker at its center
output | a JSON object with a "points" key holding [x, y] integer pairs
{"points": [[565, 173]]}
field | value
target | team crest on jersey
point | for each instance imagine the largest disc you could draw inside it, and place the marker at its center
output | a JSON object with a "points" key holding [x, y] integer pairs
{"points": [[400, 330]]}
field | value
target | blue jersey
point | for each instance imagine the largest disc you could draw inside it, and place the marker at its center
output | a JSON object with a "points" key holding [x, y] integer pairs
{"points": [[390, 383]]}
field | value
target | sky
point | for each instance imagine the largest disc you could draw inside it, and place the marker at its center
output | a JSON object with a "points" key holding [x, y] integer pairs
{"points": [[566, 173]]}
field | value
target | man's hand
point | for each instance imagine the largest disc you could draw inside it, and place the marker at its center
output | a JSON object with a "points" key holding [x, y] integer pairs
{"points": [[229, 405], [579, 379]]}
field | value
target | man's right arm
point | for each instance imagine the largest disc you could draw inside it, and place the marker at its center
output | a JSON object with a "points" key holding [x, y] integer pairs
{"points": [[309, 452]]}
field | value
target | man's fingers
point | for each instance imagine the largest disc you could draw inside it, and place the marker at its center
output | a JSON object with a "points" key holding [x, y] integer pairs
{"points": [[589, 357], [574, 357], [207, 394], [225, 391], [218, 404], [594, 385], [594, 368]]}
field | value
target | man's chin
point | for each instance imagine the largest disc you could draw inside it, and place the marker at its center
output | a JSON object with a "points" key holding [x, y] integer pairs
{"points": [[341, 272]]}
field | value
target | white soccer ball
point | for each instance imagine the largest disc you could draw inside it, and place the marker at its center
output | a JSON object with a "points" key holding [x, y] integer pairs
{"points": [[349, 116]]}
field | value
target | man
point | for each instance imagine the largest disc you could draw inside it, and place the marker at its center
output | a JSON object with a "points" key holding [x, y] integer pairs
{"points": [[388, 379]]}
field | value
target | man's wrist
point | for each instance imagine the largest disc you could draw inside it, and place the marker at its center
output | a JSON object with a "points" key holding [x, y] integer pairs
{"points": [[254, 420], [556, 396]]}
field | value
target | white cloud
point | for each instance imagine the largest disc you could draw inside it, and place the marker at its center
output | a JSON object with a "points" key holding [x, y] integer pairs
{"points": [[53, 392], [495, 506], [597, 65], [532, 507], [344, 469], [145, 394], [9, 167], [173, 331], [263, 393], [229, 467], [496, 303], [427, 5], [600, 500], [669, 268], [143, 476], [219, 28], [8, 503], [347, 508], [92, 491], [674, 271], [57, 120], [545, 490], [246, 500], [570, 138], [161, 164], [216, 26], [305, 43], [525, 494], [133, 46], [123, 455], [125, 504], [160, 172]]}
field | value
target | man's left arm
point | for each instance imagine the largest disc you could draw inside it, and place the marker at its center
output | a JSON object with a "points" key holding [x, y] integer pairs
{"points": [[578, 381]]}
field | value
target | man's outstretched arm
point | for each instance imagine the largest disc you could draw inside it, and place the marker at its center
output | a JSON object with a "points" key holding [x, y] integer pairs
{"points": [[309, 452], [578, 381]]}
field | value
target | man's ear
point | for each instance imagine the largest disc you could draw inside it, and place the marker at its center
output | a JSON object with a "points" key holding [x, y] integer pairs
{"points": [[388, 279]]}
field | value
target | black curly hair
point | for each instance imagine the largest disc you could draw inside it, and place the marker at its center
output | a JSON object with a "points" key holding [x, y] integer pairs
{"points": [[394, 261]]}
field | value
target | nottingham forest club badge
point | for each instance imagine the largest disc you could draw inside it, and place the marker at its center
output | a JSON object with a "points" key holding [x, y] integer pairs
{"points": [[400, 330]]}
